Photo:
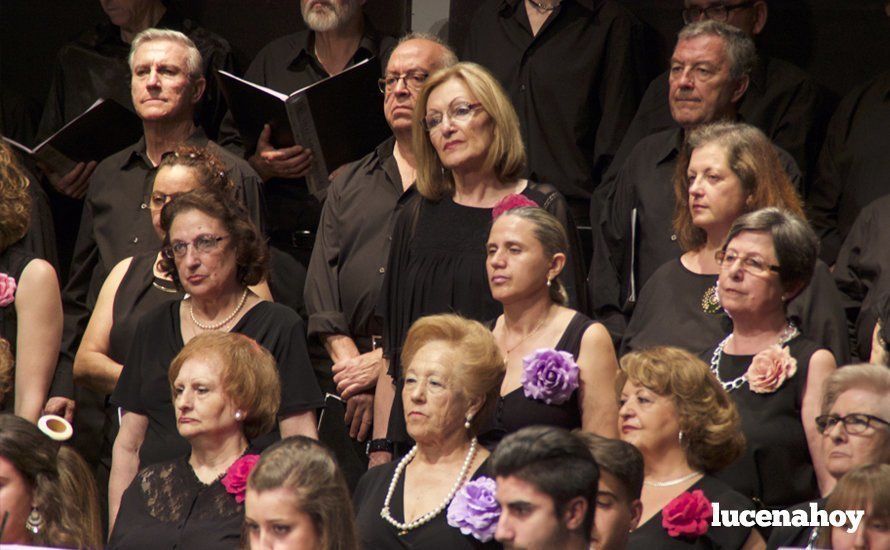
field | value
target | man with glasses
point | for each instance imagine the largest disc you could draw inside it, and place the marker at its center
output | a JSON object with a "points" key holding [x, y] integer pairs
{"points": [[855, 427], [783, 101], [351, 249]]}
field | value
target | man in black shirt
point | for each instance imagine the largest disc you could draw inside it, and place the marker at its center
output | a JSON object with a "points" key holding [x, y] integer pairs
{"points": [[572, 71], [783, 101], [352, 246], [338, 37]]}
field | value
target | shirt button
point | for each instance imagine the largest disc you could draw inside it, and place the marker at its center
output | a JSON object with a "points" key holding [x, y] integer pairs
{"points": [[143, 206], [382, 270], [135, 240], [522, 87], [674, 237]]}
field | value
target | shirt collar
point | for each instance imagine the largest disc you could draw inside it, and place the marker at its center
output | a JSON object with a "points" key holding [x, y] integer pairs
{"points": [[589, 4], [137, 151], [368, 46], [669, 146]]}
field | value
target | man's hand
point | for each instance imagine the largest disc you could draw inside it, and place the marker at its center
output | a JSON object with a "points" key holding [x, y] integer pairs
{"points": [[269, 162], [358, 374], [60, 406], [360, 415], [73, 184]]}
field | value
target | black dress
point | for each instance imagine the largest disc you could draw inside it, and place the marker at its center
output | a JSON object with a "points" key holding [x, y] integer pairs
{"points": [[167, 506], [776, 468], [13, 262], [652, 534], [515, 411], [437, 265], [143, 387], [375, 533]]}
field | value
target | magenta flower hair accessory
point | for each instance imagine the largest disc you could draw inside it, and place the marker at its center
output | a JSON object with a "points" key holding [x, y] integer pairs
{"points": [[7, 289], [510, 202], [770, 368], [550, 376], [235, 480], [474, 509], [688, 515]]}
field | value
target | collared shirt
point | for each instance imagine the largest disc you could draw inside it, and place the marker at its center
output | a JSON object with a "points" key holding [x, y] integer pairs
{"points": [[95, 65], [782, 100], [116, 224], [575, 85], [854, 167], [286, 65], [351, 250]]}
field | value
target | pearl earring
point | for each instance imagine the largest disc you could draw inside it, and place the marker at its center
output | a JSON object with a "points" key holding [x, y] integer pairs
{"points": [[467, 423], [549, 283], [681, 438], [239, 416]]}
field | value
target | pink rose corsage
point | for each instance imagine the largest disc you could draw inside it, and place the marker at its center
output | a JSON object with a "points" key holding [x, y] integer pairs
{"points": [[770, 368], [510, 202], [688, 515], [7, 289], [235, 480]]}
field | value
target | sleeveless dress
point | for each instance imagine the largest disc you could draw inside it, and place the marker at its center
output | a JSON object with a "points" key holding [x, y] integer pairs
{"points": [[515, 411], [776, 469], [13, 262]]}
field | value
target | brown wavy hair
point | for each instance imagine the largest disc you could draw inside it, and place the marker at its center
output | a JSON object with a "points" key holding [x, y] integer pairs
{"points": [[752, 157], [15, 201], [212, 171], [708, 418], [7, 369]]}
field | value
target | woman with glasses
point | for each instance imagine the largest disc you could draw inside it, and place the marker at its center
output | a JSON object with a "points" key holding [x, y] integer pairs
{"points": [[213, 253], [773, 373], [855, 427], [470, 156], [724, 171]]}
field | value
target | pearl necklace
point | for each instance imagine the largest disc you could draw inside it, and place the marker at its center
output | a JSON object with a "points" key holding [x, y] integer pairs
{"points": [[788, 333], [426, 518], [671, 482], [222, 323]]}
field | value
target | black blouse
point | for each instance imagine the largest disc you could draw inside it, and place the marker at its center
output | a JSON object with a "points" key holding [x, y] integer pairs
{"points": [[167, 506], [143, 387]]}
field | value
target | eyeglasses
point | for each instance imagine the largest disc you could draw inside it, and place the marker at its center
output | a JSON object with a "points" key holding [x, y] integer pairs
{"points": [[854, 424], [460, 113], [752, 265], [159, 200], [413, 81], [203, 244], [716, 13]]}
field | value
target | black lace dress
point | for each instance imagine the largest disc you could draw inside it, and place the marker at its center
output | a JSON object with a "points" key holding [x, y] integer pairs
{"points": [[167, 506], [515, 411]]}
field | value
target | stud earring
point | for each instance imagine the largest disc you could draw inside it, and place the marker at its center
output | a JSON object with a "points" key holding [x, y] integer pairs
{"points": [[681, 438], [549, 283], [34, 523], [239, 416]]}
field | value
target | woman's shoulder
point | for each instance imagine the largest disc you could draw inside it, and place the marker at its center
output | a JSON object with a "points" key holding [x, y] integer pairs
{"points": [[721, 493], [279, 314], [374, 481], [544, 194]]}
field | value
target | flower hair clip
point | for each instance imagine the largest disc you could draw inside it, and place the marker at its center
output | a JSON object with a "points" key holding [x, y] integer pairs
{"points": [[474, 509], [7, 289], [550, 376], [510, 202], [688, 515], [235, 480]]}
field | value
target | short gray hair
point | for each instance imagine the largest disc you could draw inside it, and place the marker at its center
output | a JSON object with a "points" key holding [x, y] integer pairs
{"points": [[448, 59], [795, 242], [194, 63], [874, 378], [740, 48]]}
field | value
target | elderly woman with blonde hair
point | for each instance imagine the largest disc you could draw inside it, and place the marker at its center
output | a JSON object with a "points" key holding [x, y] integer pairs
{"points": [[680, 418]]}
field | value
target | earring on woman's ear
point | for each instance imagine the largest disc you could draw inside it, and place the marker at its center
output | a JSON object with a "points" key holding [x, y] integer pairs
{"points": [[468, 424], [34, 523], [549, 282], [239, 416]]}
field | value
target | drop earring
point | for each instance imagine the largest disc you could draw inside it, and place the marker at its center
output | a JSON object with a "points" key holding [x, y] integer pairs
{"points": [[549, 283], [34, 523], [467, 424]]}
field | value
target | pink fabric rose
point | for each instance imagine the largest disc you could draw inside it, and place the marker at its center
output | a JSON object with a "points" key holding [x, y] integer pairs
{"points": [[235, 480], [7, 289], [770, 368], [509, 203], [688, 515]]}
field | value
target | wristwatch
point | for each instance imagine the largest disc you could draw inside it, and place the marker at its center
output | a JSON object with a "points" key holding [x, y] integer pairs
{"points": [[378, 445]]}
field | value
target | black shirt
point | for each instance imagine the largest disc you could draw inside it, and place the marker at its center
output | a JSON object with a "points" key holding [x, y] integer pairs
{"points": [[95, 65], [854, 167], [575, 85], [286, 65], [351, 249], [116, 224]]}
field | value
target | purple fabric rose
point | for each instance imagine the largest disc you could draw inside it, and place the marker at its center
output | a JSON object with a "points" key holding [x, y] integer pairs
{"points": [[550, 376], [474, 509]]}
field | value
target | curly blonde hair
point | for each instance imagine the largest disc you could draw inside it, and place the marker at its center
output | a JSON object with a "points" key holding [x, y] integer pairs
{"points": [[708, 418], [15, 201]]}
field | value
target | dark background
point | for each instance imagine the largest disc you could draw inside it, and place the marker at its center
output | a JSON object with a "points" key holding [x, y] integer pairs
{"points": [[840, 42]]}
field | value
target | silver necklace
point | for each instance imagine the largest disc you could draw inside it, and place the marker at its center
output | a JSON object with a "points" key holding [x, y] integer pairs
{"points": [[788, 333], [671, 482], [222, 323], [542, 8], [424, 519]]}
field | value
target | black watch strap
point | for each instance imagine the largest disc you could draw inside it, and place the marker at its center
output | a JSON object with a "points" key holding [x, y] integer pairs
{"points": [[378, 445]]}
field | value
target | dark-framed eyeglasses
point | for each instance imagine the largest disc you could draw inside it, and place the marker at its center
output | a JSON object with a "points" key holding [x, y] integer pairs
{"points": [[202, 244], [413, 81], [753, 265], [716, 13], [854, 424], [459, 113]]}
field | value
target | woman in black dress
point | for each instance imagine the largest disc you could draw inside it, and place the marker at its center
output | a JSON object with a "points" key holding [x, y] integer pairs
{"points": [[452, 373], [724, 171], [224, 394], [773, 374], [469, 156], [686, 426], [526, 255], [30, 301], [212, 252]]}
